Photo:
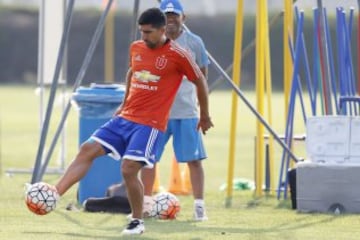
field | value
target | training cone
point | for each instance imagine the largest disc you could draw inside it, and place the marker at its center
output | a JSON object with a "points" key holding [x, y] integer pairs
{"points": [[176, 182], [156, 187], [187, 187]]}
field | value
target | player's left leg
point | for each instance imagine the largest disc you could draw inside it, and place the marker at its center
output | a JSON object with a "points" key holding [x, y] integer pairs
{"points": [[197, 182]]}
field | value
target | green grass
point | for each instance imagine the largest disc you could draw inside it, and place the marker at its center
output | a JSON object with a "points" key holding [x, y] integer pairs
{"points": [[248, 217]]}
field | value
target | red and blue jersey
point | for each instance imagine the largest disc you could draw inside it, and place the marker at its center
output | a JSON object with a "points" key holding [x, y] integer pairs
{"points": [[156, 77]]}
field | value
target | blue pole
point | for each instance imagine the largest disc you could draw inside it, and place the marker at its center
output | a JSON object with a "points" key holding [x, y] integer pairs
{"points": [[307, 74], [291, 106], [315, 58], [349, 67]]}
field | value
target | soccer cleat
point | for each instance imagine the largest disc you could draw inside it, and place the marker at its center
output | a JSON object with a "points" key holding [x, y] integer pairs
{"points": [[200, 213], [135, 227]]}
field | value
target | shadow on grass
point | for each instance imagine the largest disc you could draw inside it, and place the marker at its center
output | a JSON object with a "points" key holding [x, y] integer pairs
{"points": [[193, 229], [218, 231], [187, 227]]}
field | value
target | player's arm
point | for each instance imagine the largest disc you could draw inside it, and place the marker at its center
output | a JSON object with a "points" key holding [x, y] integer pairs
{"points": [[127, 88], [204, 71], [202, 92]]}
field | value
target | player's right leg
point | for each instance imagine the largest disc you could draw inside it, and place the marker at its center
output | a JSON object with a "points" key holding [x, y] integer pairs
{"points": [[80, 165], [148, 179]]}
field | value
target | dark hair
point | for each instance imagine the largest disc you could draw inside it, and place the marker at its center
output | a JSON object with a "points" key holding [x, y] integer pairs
{"points": [[154, 17]]}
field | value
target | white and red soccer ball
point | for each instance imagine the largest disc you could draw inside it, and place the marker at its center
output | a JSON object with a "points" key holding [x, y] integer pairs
{"points": [[166, 206], [41, 198]]}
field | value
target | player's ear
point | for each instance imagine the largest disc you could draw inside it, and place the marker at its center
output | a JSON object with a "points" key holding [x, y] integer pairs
{"points": [[183, 17], [163, 29]]}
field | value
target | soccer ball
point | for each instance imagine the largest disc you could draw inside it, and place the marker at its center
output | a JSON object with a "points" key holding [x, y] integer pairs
{"points": [[166, 206], [41, 198]]}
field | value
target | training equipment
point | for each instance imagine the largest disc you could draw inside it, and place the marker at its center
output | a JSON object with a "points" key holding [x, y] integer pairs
{"points": [[328, 180], [166, 206], [41, 198], [328, 188], [179, 183]]}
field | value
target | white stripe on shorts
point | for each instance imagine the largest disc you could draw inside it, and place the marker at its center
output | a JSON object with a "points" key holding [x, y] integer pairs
{"points": [[114, 154], [150, 144]]}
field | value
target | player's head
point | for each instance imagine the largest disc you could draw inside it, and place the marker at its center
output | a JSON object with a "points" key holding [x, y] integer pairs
{"points": [[152, 26], [175, 16]]}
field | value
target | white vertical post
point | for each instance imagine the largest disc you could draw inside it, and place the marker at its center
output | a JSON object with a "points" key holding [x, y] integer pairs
{"points": [[51, 25]]}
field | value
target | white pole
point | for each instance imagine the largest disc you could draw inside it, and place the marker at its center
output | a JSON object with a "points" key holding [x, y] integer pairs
{"points": [[40, 76]]}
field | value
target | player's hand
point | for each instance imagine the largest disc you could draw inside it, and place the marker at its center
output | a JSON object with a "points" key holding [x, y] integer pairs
{"points": [[205, 124]]}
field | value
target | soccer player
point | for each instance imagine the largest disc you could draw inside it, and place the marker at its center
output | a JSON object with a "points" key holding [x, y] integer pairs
{"points": [[157, 66], [184, 116]]}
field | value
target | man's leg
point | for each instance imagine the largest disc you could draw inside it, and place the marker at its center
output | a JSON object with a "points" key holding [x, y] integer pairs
{"points": [[148, 179], [80, 165], [130, 170], [197, 181]]}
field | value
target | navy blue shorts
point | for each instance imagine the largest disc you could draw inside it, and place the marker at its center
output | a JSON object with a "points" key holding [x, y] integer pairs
{"points": [[123, 139]]}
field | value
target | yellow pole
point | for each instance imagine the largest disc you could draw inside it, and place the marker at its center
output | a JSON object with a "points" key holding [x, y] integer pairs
{"points": [[269, 98], [288, 63], [236, 78], [109, 46], [260, 74]]}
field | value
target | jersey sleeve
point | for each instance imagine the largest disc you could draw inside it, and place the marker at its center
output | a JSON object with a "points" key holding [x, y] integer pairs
{"points": [[130, 54], [189, 67]]}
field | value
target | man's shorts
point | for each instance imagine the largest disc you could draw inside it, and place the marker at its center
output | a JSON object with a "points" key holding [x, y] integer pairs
{"points": [[187, 140], [128, 140]]}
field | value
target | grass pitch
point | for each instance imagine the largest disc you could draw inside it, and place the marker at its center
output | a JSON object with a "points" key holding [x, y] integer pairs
{"points": [[248, 218]]}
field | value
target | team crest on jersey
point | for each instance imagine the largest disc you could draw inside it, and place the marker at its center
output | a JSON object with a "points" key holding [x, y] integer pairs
{"points": [[160, 62]]}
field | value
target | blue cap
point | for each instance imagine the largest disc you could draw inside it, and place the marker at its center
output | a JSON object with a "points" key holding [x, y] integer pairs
{"points": [[171, 6]]}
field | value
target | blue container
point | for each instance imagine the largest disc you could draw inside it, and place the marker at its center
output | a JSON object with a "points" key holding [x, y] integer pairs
{"points": [[97, 105]]}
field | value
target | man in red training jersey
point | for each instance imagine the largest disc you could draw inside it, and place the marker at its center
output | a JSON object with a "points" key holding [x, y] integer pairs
{"points": [[157, 67]]}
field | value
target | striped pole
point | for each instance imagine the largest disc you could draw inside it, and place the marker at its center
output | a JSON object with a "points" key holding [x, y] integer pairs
{"points": [[332, 75], [324, 58]]}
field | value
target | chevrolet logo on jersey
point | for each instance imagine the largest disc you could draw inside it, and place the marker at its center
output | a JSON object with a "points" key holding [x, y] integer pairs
{"points": [[145, 76]]}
